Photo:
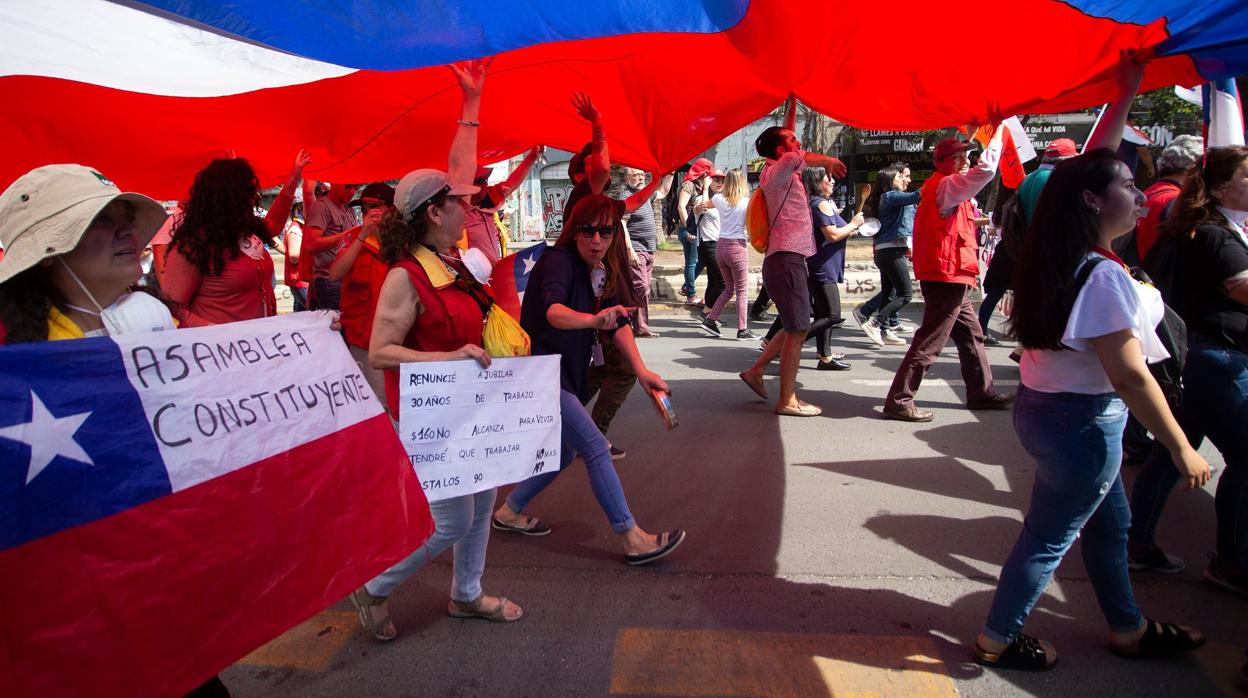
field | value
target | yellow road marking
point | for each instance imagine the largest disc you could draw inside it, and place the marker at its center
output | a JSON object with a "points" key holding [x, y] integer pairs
{"points": [[776, 665], [310, 646]]}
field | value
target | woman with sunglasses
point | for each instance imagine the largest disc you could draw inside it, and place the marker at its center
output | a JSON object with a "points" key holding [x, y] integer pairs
{"points": [[581, 286], [430, 309]]}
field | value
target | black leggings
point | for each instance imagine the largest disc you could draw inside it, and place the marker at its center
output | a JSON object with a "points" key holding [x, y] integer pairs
{"points": [[714, 279], [826, 299]]}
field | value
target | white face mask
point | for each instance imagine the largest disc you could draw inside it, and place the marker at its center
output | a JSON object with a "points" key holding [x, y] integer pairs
{"points": [[598, 279], [129, 314], [477, 263]]}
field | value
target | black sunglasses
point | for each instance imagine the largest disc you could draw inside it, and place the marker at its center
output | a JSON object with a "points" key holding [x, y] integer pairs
{"points": [[586, 230]]}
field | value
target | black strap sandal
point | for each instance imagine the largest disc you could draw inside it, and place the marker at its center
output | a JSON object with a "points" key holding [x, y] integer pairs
{"points": [[1025, 653], [1161, 639]]}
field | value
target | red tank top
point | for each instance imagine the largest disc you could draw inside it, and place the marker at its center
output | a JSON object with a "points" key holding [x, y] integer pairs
{"points": [[449, 318]]}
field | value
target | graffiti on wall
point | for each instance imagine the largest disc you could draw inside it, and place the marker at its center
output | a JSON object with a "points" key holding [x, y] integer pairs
{"points": [[554, 195]]}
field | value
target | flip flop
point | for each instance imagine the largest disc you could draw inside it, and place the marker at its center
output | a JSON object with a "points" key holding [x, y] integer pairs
{"points": [[756, 386], [800, 411], [668, 541], [535, 527]]}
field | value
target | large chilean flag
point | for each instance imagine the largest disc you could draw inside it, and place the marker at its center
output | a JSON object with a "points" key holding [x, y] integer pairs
{"points": [[149, 91], [170, 501]]}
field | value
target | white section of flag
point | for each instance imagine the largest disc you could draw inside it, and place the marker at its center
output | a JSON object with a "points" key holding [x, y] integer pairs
{"points": [[221, 398], [1226, 119], [106, 44]]}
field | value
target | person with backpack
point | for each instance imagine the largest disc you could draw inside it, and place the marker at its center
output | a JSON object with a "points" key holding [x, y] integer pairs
{"points": [[697, 179], [1173, 165], [1200, 263], [1087, 329]]}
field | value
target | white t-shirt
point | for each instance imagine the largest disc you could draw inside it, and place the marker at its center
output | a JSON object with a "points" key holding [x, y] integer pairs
{"points": [[708, 225], [1109, 301], [731, 218]]}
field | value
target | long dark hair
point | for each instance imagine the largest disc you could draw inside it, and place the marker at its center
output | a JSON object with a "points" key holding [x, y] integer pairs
{"points": [[885, 181], [1195, 205], [25, 301], [812, 177], [219, 214], [587, 210], [1062, 232]]}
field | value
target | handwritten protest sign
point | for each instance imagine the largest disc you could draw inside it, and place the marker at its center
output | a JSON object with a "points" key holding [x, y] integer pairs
{"points": [[467, 428]]}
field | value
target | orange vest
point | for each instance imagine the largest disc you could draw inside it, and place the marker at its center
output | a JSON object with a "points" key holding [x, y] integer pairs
{"points": [[945, 249]]}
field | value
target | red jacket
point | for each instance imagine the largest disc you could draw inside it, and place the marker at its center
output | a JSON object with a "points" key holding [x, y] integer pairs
{"points": [[945, 249], [360, 288], [1160, 194]]}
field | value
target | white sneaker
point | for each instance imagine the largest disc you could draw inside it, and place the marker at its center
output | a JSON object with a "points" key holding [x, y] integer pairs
{"points": [[890, 338], [859, 317], [871, 328]]}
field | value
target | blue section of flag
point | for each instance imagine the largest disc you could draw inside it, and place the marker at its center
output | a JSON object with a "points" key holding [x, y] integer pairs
{"points": [[386, 35], [1212, 32], [525, 259], [73, 378]]}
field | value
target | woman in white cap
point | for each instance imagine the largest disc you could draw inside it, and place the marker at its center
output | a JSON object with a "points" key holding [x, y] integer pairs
{"points": [[430, 309], [72, 243]]}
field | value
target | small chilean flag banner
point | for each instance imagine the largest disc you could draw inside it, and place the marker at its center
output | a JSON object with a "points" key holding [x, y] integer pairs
{"points": [[170, 501]]}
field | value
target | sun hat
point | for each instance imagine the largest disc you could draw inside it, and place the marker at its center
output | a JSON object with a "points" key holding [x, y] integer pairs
{"points": [[419, 186], [46, 211]]}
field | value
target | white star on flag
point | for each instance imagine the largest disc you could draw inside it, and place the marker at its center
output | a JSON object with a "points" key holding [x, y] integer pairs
{"points": [[48, 436], [529, 263]]}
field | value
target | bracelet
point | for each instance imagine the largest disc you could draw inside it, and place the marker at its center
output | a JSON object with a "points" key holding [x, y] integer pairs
{"points": [[474, 124]]}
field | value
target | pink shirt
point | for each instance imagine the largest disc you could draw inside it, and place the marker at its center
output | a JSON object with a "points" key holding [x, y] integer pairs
{"points": [[787, 206]]}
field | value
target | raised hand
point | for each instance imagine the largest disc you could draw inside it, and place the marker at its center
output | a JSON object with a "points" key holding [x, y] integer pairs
{"points": [[471, 75], [1128, 73], [585, 107], [837, 169]]}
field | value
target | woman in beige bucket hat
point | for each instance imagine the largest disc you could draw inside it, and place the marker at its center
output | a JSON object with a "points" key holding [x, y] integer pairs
{"points": [[72, 243]]}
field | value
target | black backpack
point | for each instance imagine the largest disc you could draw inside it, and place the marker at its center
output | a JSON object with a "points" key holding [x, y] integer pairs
{"points": [[1012, 227], [1172, 332]]}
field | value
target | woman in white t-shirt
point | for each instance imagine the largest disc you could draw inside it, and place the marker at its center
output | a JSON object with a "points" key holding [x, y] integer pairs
{"points": [[728, 209], [1087, 334]]}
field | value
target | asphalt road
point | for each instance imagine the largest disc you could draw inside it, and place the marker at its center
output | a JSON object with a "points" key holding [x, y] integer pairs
{"points": [[839, 555]]}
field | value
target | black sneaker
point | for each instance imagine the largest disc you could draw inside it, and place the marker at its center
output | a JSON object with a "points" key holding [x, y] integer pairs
{"points": [[763, 316], [1156, 560], [710, 327], [1217, 573], [747, 334], [618, 453], [990, 341]]}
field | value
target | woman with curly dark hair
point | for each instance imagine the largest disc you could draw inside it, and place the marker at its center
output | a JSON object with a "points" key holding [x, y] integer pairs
{"points": [[1205, 237], [217, 269]]}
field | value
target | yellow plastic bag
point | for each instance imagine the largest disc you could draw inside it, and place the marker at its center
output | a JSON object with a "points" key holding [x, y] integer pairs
{"points": [[503, 336]]}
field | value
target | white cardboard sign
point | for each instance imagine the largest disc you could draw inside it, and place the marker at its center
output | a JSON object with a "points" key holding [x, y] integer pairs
{"points": [[467, 428]]}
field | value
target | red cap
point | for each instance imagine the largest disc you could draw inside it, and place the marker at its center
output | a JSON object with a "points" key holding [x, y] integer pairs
{"points": [[700, 167], [1061, 148], [950, 146]]}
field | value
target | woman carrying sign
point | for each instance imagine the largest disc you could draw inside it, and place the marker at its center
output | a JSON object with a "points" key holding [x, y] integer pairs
{"points": [[429, 309], [579, 287]]}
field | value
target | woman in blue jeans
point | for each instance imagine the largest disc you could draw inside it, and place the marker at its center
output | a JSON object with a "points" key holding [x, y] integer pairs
{"points": [[1087, 328], [576, 291], [879, 316], [1206, 234]]}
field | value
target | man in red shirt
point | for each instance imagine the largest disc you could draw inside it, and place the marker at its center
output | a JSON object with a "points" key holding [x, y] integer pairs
{"points": [[1175, 161], [360, 271]]}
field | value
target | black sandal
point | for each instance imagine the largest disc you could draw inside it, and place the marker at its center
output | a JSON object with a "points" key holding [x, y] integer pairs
{"points": [[1161, 639], [1025, 653]]}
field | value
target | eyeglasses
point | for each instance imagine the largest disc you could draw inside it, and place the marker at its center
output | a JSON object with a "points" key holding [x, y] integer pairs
{"points": [[586, 230], [718, 179]]}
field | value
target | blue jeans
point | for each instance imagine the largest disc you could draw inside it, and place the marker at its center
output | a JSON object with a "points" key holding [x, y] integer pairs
{"points": [[462, 522], [992, 296], [325, 295], [1215, 404], [689, 244], [1077, 443], [581, 435]]}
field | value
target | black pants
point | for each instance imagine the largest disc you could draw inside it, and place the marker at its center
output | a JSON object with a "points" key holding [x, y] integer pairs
{"points": [[759, 306], [895, 287], [714, 279], [826, 300]]}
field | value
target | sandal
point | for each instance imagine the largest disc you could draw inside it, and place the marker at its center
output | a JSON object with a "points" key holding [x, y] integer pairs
{"points": [[1025, 652], [503, 612], [668, 540], [374, 615], [756, 384], [1160, 639], [532, 526]]}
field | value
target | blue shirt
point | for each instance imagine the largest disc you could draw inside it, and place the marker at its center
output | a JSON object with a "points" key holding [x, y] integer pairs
{"points": [[827, 264], [561, 276], [896, 215]]}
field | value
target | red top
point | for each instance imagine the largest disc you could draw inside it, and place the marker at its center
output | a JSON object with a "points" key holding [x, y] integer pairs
{"points": [[360, 288], [242, 291], [449, 318], [945, 248], [1160, 194]]}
